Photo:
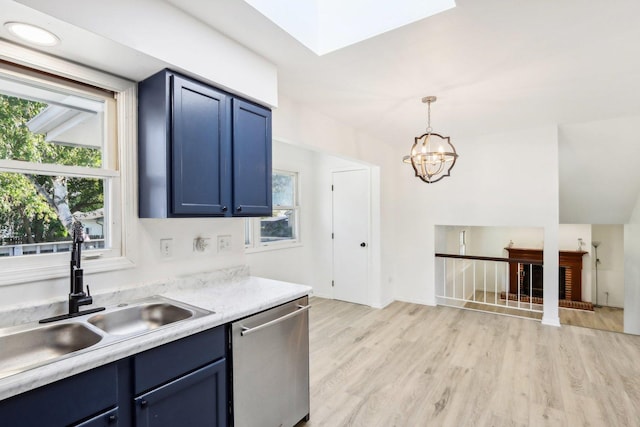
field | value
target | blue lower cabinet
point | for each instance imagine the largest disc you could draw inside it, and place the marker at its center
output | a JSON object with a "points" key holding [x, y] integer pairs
{"points": [[106, 419], [196, 399], [66, 402], [182, 383]]}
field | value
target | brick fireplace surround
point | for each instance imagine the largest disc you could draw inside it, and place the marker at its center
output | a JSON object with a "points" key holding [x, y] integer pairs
{"points": [[570, 260]]}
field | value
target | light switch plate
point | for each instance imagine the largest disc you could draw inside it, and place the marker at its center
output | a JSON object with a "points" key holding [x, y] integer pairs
{"points": [[166, 248]]}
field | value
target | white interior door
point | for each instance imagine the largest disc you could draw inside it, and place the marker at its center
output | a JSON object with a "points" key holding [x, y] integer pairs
{"points": [[351, 219]]}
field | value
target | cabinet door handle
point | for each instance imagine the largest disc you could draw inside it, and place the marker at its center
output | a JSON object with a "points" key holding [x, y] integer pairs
{"points": [[363, 245], [224, 209], [239, 209], [112, 418], [143, 403]]}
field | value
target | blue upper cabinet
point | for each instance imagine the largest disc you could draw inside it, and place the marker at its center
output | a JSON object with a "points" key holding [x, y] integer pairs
{"points": [[251, 159], [200, 163], [201, 151]]}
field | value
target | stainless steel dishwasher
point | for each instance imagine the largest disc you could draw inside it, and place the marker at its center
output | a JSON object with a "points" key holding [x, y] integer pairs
{"points": [[271, 367]]}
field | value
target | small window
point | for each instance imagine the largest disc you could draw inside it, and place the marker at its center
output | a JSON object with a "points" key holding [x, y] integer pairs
{"points": [[283, 225], [57, 164]]}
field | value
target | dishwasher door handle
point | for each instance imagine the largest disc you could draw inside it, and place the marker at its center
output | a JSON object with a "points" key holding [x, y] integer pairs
{"points": [[301, 309]]}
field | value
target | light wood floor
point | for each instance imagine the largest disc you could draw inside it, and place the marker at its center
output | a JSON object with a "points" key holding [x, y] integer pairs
{"points": [[605, 318], [413, 365]]}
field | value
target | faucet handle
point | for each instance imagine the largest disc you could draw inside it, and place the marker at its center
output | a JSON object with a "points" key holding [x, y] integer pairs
{"points": [[88, 291]]}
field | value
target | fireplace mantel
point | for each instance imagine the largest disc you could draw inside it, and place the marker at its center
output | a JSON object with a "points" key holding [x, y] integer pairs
{"points": [[570, 260]]}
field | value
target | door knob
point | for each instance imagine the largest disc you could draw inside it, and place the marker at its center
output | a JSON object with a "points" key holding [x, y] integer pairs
{"points": [[363, 244]]}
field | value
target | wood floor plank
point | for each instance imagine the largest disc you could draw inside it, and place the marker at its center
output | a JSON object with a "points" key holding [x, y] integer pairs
{"points": [[414, 365]]}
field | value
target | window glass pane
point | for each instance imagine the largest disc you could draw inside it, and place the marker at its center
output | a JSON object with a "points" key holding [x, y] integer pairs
{"points": [[43, 126], [280, 226], [37, 211], [247, 232], [283, 189]]}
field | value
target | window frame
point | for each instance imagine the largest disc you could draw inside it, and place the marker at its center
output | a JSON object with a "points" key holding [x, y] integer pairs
{"points": [[252, 225], [118, 170]]}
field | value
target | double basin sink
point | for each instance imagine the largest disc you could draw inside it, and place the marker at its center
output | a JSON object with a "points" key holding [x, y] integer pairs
{"points": [[29, 346]]}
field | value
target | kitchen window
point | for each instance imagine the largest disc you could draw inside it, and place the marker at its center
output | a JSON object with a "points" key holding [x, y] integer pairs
{"points": [[59, 163], [281, 229]]}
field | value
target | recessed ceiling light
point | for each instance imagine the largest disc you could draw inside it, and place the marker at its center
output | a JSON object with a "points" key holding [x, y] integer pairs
{"points": [[32, 34]]}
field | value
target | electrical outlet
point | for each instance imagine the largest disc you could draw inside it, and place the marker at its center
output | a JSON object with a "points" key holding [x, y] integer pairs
{"points": [[166, 248], [224, 243]]}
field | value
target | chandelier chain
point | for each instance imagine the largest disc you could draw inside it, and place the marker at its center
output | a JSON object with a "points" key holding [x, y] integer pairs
{"points": [[429, 129]]}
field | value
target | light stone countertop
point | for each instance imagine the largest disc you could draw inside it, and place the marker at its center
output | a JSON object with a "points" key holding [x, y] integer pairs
{"points": [[231, 295]]}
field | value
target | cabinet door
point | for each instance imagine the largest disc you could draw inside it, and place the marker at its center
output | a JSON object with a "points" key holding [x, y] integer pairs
{"points": [[106, 419], [63, 402], [196, 399], [251, 160], [201, 147]]}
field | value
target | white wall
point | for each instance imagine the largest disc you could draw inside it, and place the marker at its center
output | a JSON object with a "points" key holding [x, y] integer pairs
{"points": [[293, 264], [323, 244], [507, 180], [149, 265], [297, 124], [632, 272], [611, 267], [310, 262]]}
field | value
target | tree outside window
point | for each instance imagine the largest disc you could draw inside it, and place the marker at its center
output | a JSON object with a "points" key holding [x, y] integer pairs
{"points": [[48, 149]]}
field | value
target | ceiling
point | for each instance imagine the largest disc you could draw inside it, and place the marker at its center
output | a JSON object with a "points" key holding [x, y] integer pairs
{"points": [[495, 66]]}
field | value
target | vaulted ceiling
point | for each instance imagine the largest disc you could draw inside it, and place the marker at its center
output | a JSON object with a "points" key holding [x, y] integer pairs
{"points": [[495, 66]]}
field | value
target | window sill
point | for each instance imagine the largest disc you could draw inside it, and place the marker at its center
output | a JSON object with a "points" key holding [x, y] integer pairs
{"points": [[272, 247], [35, 274]]}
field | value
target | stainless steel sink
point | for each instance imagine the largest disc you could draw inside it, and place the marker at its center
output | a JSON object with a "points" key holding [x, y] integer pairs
{"points": [[29, 348], [140, 318]]}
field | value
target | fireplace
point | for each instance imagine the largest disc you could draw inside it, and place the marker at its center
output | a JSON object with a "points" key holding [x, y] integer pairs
{"points": [[531, 281], [520, 273]]}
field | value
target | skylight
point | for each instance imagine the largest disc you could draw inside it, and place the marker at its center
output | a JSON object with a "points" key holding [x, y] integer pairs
{"points": [[328, 25]]}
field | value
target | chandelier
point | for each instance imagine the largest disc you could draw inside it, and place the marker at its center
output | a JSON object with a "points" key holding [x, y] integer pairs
{"points": [[432, 155]]}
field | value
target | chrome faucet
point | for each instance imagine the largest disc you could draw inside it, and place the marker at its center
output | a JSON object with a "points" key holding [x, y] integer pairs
{"points": [[77, 296]]}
